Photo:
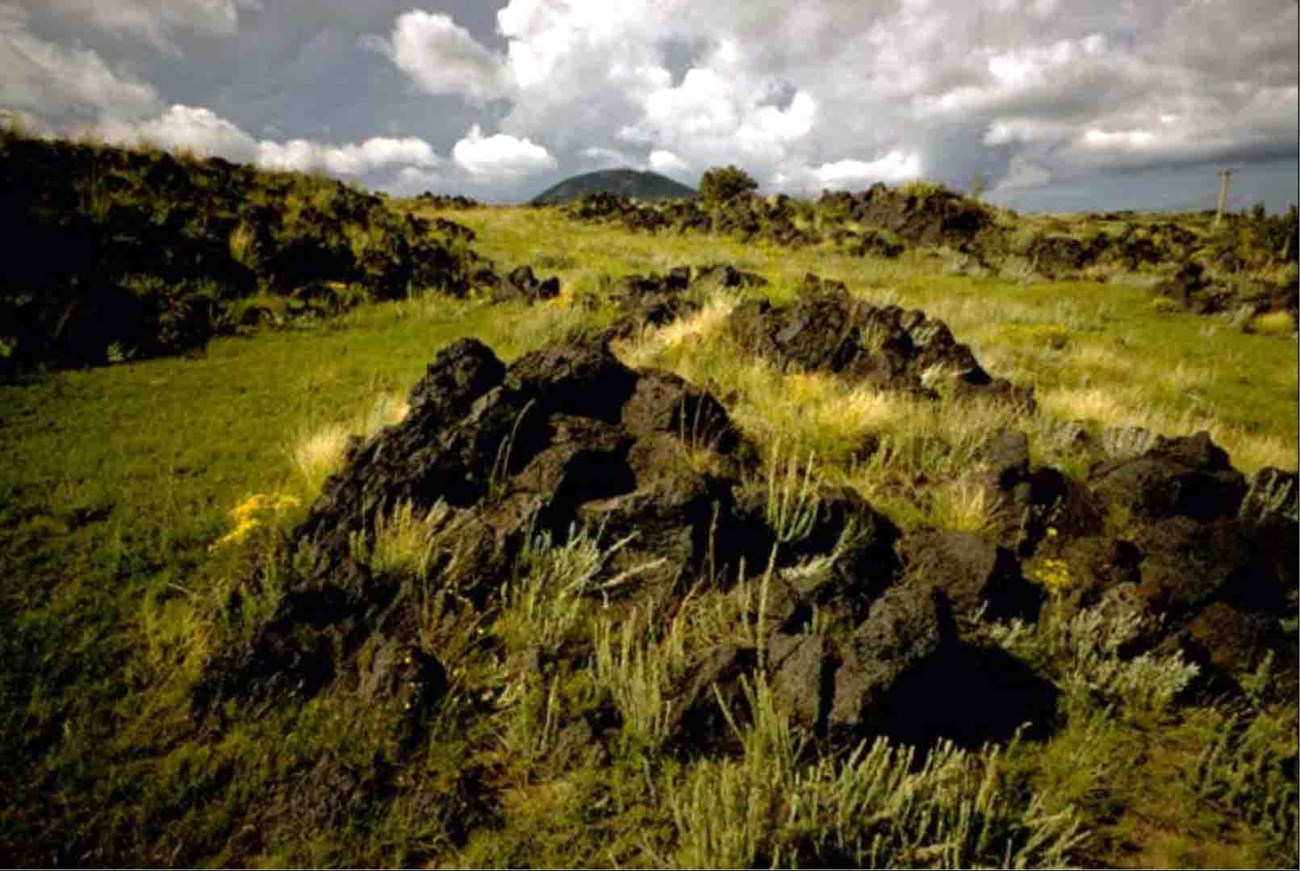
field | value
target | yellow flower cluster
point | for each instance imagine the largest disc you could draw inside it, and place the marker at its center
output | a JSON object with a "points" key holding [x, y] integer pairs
{"points": [[252, 513], [1055, 575]]}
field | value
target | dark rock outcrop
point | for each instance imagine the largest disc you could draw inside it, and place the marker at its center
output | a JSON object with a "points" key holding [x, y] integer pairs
{"points": [[492, 455], [1180, 477], [906, 674], [973, 574], [828, 329]]}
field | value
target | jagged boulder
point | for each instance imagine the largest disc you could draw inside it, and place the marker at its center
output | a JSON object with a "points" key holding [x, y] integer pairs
{"points": [[840, 522], [803, 668], [1179, 477], [659, 298], [1031, 501], [1232, 640], [974, 574], [905, 673], [921, 214], [906, 626], [726, 275]]}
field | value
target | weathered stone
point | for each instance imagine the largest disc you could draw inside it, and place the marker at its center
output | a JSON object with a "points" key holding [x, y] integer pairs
{"points": [[584, 380], [828, 329], [664, 403], [1235, 640], [974, 574], [1008, 455], [1181, 477], [802, 676], [699, 720], [521, 284], [459, 374], [1187, 564], [906, 625]]}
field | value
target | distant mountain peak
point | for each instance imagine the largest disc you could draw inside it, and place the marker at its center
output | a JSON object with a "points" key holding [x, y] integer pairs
{"points": [[623, 182]]}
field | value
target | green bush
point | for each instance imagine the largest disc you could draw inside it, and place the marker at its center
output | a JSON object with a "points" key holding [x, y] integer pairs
{"points": [[725, 184]]}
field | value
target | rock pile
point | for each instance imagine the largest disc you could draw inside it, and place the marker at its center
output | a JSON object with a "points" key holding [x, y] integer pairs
{"points": [[778, 219], [827, 329], [448, 201], [923, 215], [1202, 548], [658, 298], [568, 438]]}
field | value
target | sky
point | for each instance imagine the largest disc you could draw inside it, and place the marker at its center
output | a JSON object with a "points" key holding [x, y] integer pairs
{"points": [[1054, 105]]}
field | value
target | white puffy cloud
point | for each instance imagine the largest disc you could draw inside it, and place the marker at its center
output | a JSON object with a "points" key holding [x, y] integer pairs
{"points": [[201, 132], [51, 79], [500, 155], [441, 57], [894, 167], [836, 92], [667, 162], [820, 93], [376, 154], [189, 129]]}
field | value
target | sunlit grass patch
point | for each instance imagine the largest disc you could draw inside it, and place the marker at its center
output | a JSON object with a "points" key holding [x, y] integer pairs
{"points": [[638, 671], [1251, 452], [1278, 323], [318, 453], [705, 325], [963, 505]]}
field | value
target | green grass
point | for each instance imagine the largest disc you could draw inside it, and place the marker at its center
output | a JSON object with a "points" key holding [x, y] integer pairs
{"points": [[118, 481]]}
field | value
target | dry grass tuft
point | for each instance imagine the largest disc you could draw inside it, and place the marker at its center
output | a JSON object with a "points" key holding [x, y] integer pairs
{"points": [[318, 453]]}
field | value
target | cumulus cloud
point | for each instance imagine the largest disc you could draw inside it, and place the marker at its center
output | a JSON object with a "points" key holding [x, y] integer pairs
{"points": [[441, 57], [189, 129], [500, 155], [836, 93], [894, 167], [376, 154], [822, 93], [50, 79], [201, 132]]}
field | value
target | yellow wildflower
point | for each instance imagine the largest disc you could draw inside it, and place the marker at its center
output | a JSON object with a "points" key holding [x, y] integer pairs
{"points": [[1055, 575], [252, 513]]}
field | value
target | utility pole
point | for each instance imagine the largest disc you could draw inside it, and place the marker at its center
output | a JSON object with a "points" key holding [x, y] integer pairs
{"points": [[1225, 178]]}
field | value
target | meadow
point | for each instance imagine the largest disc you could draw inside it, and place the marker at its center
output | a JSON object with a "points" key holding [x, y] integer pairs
{"points": [[118, 484]]}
